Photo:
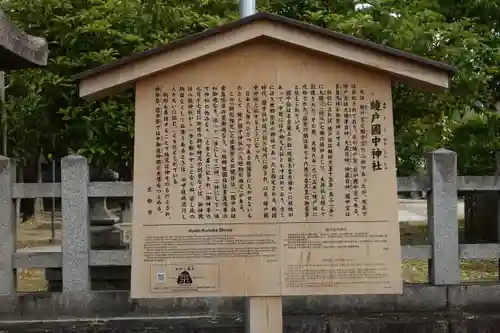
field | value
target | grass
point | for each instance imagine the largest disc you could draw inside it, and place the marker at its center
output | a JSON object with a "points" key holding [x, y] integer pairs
{"points": [[416, 271], [31, 234]]}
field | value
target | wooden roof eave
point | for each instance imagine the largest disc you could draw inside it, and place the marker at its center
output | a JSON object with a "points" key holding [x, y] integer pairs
{"points": [[418, 71]]}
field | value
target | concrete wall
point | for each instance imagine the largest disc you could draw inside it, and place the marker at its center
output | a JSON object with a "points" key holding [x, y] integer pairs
{"points": [[421, 308]]}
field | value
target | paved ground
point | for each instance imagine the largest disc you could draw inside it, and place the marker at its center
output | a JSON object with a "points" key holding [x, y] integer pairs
{"points": [[416, 210]]}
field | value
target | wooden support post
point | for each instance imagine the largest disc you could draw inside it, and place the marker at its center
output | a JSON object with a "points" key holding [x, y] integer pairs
{"points": [[264, 315]]}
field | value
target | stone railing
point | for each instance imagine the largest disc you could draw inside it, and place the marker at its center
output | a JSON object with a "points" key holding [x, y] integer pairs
{"points": [[76, 256]]}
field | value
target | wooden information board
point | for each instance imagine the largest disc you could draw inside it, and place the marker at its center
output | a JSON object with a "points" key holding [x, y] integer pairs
{"points": [[265, 170]]}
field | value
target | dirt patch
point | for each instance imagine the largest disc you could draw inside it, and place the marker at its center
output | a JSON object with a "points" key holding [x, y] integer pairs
{"points": [[35, 234]]}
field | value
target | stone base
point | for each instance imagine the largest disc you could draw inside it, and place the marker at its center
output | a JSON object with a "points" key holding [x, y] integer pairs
{"points": [[102, 278], [420, 309], [361, 323]]}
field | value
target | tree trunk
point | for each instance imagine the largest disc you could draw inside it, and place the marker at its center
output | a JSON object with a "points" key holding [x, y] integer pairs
{"points": [[481, 217]]}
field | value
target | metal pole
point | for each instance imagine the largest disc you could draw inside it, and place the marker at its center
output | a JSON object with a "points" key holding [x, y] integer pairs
{"points": [[3, 112], [247, 8]]}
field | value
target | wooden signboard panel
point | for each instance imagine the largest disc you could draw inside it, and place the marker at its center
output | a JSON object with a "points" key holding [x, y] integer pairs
{"points": [[264, 170]]}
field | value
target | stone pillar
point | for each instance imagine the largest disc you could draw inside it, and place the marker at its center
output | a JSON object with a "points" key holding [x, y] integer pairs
{"points": [[7, 229], [75, 225], [444, 268], [102, 235]]}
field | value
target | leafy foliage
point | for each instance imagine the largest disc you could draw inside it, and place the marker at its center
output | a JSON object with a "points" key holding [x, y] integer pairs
{"points": [[477, 142], [86, 33]]}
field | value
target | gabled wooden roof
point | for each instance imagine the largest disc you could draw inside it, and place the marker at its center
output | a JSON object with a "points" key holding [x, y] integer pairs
{"points": [[407, 67]]}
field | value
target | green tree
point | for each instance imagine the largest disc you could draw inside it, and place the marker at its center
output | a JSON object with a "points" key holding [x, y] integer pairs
{"points": [[44, 103], [84, 34], [433, 29]]}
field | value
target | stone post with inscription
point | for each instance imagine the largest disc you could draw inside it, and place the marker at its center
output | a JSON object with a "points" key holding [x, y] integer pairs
{"points": [[103, 235]]}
